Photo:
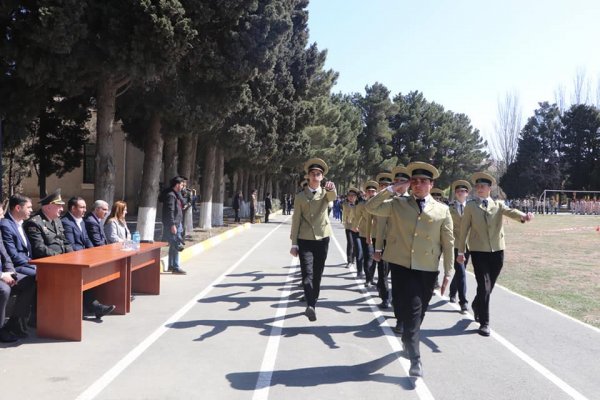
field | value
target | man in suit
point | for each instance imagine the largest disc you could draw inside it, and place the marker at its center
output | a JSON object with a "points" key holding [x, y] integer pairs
{"points": [[419, 232], [482, 225], [74, 226], [23, 286], [311, 230], [461, 189], [15, 240], [94, 223], [47, 236], [268, 207], [172, 219]]}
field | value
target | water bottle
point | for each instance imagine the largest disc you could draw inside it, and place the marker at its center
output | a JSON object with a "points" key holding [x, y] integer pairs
{"points": [[136, 240]]}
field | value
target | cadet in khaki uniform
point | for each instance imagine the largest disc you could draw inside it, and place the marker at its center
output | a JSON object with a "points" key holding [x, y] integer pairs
{"points": [[353, 249], [461, 189], [482, 225], [311, 230], [437, 194], [362, 223], [419, 232], [384, 179]]}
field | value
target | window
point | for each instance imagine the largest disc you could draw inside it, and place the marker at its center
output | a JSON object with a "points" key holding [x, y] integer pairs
{"points": [[89, 162]]}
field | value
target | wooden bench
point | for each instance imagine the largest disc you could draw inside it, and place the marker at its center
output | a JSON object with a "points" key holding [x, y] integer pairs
{"points": [[114, 272]]}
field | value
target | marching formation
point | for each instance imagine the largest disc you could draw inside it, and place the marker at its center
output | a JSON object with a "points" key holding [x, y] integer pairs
{"points": [[399, 228]]}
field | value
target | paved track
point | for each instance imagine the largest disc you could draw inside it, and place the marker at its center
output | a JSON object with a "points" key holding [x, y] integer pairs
{"points": [[234, 328]]}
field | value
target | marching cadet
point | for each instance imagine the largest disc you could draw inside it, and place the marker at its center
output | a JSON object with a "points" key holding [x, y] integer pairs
{"points": [[461, 189], [482, 226], [362, 224], [311, 230], [419, 232], [437, 194], [353, 249], [384, 179]]}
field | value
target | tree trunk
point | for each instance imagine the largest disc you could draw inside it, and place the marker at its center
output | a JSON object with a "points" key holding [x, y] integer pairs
{"points": [[104, 180], [208, 178], [193, 161], [153, 150], [171, 158], [186, 146], [218, 189], [245, 183]]}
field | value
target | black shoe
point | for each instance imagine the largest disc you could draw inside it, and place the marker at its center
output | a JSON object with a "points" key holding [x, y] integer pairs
{"points": [[399, 328], [7, 337], [310, 314], [15, 327], [178, 271], [384, 305], [101, 310], [484, 330], [348, 265], [416, 368], [452, 299], [463, 309]]}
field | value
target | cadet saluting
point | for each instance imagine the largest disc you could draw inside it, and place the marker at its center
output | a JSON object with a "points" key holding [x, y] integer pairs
{"points": [[419, 231], [482, 225], [311, 230]]}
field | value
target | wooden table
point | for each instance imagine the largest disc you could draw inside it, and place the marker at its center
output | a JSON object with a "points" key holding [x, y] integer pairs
{"points": [[114, 272]]}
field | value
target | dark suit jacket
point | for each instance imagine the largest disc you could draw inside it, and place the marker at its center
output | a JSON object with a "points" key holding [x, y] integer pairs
{"points": [[95, 230], [18, 251], [47, 237], [78, 238], [268, 204], [7, 265]]}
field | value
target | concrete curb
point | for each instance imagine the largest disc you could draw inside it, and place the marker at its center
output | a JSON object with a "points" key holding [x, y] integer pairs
{"points": [[204, 245]]}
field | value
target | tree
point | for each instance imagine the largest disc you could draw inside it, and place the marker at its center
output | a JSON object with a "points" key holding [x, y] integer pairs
{"points": [[507, 127]]}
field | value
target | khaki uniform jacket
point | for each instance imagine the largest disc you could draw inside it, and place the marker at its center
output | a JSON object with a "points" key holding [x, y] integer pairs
{"points": [[483, 227], [415, 240], [310, 220], [363, 220], [348, 211], [456, 221]]}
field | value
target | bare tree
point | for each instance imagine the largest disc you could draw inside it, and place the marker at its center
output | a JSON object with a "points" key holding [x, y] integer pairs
{"points": [[507, 128], [581, 87], [598, 91], [560, 97]]}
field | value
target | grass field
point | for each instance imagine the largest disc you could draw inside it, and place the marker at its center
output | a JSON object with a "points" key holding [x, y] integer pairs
{"points": [[556, 260]]}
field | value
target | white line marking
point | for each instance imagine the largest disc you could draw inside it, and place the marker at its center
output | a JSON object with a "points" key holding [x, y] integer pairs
{"points": [[263, 383], [420, 387], [92, 391]]}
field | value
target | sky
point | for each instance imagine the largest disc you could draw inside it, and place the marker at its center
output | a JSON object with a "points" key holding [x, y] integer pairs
{"points": [[463, 54]]}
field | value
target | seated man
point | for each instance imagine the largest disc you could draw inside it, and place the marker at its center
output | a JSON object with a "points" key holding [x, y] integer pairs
{"points": [[72, 222], [14, 283], [93, 223], [47, 236], [15, 240]]}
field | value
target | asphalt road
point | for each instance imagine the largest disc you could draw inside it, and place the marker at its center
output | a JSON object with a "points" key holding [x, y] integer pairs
{"points": [[233, 328]]}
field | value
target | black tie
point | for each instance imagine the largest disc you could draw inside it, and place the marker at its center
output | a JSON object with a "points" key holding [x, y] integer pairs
{"points": [[484, 202], [461, 209], [421, 203]]}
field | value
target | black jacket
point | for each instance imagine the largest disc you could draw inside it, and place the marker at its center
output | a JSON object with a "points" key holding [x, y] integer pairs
{"points": [[172, 212]]}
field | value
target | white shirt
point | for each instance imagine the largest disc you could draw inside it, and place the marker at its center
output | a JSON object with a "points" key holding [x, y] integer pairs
{"points": [[79, 222]]}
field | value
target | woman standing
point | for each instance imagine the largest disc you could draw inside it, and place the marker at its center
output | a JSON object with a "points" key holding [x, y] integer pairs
{"points": [[311, 230]]}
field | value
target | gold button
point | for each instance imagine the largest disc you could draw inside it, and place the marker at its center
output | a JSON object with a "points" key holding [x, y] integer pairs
{"points": [[412, 251], [416, 234], [419, 218]]}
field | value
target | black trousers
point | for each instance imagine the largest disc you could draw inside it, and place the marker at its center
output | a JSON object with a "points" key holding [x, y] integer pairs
{"points": [[267, 212], [237, 215], [252, 214], [313, 254], [353, 249], [25, 291], [459, 281], [487, 266], [367, 259], [411, 293], [383, 271]]}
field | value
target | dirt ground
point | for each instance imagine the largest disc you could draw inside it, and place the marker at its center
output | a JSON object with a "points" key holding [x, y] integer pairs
{"points": [[556, 260]]}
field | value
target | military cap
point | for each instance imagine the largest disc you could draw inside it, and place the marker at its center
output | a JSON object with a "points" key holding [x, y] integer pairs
{"points": [[384, 177], [400, 172], [371, 185], [52, 198], [482, 177], [437, 192], [354, 190], [461, 184], [316, 163], [420, 169]]}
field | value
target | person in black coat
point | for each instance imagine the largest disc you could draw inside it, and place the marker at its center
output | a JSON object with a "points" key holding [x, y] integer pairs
{"points": [[172, 219], [238, 199], [93, 223], [15, 240], [268, 207], [74, 226]]}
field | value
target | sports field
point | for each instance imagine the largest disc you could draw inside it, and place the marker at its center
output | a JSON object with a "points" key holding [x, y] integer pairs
{"points": [[555, 260]]}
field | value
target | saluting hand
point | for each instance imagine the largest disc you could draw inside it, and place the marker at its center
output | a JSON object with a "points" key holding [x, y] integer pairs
{"points": [[329, 186], [401, 187]]}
